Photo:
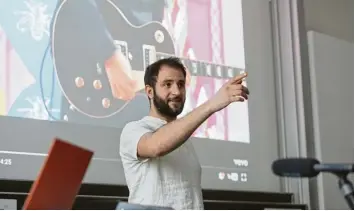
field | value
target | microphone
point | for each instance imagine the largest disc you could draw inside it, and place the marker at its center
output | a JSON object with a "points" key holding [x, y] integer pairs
{"points": [[308, 167]]}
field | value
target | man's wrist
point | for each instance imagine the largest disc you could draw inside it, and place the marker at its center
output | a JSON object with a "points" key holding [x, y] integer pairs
{"points": [[209, 107], [112, 59]]}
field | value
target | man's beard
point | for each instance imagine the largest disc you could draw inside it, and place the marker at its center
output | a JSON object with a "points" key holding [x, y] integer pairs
{"points": [[164, 108]]}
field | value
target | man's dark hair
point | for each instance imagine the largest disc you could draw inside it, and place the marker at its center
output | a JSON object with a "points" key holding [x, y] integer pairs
{"points": [[152, 71]]}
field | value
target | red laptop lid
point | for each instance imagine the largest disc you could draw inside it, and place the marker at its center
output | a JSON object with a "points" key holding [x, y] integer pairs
{"points": [[60, 178]]}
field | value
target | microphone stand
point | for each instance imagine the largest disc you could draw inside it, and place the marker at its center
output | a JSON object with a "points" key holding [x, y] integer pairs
{"points": [[347, 189]]}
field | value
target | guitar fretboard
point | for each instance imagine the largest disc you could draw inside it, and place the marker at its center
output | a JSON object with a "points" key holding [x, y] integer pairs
{"points": [[196, 68]]}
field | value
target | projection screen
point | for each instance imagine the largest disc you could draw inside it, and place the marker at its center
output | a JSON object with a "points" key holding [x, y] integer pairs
{"points": [[53, 82]]}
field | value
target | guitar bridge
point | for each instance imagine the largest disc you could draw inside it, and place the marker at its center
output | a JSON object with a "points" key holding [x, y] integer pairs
{"points": [[121, 46], [149, 55]]}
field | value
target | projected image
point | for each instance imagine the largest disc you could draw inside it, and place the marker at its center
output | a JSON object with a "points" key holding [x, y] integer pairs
{"points": [[54, 59]]}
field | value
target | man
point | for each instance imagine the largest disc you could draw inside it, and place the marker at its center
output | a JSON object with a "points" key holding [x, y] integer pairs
{"points": [[160, 164]]}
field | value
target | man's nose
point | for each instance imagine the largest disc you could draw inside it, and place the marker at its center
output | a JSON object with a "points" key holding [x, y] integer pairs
{"points": [[175, 89]]}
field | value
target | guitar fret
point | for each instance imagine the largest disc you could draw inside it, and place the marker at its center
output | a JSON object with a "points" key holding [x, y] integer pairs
{"points": [[195, 68], [208, 70], [231, 73], [219, 71]]}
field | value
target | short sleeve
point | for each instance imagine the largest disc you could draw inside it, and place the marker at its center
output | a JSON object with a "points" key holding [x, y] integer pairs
{"points": [[129, 139]]}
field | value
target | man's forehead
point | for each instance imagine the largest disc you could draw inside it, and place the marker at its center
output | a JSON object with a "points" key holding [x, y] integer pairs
{"points": [[170, 73]]}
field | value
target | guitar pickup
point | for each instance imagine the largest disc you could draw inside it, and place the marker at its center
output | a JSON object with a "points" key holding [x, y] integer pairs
{"points": [[149, 55]]}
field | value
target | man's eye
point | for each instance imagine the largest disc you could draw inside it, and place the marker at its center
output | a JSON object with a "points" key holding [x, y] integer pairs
{"points": [[168, 84]]}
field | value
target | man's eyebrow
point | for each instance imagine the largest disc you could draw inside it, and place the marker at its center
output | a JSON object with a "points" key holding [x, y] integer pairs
{"points": [[167, 80], [172, 80]]}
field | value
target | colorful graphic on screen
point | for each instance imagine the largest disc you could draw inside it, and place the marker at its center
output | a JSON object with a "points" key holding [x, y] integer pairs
{"points": [[53, 54]]}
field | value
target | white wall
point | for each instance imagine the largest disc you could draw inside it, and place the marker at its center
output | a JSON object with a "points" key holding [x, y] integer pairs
{"points": [[331, 17], [328, 52], [332, 81]]}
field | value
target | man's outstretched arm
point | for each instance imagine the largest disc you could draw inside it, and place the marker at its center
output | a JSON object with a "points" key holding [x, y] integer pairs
{"points": [[172, 135]]}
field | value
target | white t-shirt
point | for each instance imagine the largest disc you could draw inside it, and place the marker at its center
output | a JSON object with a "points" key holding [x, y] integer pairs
{"points": [[173, 180]]}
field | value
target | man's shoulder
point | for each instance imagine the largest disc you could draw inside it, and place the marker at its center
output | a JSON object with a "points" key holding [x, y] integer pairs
{"points": [[132, 132], [134, 125], [144, 125], [146, 122]]}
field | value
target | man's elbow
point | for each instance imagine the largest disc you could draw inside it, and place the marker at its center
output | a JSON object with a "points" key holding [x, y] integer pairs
{"points": [[159, 152], [148, 146], [149, 151], [161, 149]]}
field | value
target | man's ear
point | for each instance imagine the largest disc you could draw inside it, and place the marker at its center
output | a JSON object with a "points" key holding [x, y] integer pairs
{"points": [[149, 91]]}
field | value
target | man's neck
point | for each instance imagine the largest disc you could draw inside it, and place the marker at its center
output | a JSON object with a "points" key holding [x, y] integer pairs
{"points": [[156, 114]]}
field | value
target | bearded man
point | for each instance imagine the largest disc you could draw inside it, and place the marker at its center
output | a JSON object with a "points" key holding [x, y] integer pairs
{"points": [[160, 164]]}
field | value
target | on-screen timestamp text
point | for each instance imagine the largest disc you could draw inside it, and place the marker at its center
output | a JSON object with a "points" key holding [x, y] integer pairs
{"points": [[6, 161]]}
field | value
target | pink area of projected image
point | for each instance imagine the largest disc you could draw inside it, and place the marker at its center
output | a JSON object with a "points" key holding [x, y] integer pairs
{"points": [[14, 76]]}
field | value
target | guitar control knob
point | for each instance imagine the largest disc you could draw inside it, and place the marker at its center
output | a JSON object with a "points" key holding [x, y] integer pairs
{"points": [[97, 84], [106, 103], [159, 36], [79, 82]]}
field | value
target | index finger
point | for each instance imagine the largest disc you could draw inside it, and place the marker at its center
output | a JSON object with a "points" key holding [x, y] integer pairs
{"points": [[239, 77]]}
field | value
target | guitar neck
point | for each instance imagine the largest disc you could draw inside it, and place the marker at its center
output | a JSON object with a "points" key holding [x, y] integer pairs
{"points": [[206, 69]]}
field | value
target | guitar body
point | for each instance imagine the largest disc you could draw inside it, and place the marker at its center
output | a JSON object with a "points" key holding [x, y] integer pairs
{"points": [[82, 76]]}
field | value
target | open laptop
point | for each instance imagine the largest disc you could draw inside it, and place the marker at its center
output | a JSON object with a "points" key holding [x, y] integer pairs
{"points": [[60, 178]]}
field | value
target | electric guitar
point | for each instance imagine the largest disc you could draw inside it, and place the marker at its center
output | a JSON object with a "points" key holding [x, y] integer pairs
{"points": [[83, 80]]}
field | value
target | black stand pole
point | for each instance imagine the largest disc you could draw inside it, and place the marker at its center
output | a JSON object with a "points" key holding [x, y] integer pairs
{"points": [[347, 189]]}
